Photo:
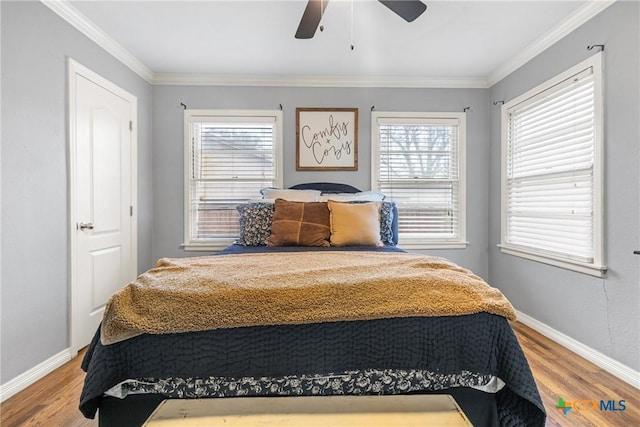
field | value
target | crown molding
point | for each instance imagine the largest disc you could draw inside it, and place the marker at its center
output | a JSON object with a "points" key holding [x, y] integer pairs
{"points": [[66, 11], [316, 81], [579, 17], [70, 14]]}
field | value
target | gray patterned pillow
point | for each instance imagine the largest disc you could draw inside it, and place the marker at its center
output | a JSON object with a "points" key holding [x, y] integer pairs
{"points": [[255, 223], [386, 223]]}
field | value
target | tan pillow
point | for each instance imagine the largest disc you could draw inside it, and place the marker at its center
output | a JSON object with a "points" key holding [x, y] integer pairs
{"points": [[299, 224], [354, 224]]}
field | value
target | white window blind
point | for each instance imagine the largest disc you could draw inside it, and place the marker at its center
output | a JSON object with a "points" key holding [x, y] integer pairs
{"points": [[230, 157], [419, 165], [551, 178]]}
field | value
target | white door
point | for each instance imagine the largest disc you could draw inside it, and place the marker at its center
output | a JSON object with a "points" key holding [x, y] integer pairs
{"points": [[103, 228]]}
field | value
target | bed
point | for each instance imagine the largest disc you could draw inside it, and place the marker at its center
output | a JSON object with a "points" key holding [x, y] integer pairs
{"points": [[300, 338]]}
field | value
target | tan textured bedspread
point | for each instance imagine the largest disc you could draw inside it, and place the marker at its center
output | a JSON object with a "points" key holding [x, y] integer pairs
{"points": [[195, 294]]}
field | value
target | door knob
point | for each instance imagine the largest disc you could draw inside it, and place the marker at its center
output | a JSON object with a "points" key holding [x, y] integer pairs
{"points": [[85, 226], [636, 252]]}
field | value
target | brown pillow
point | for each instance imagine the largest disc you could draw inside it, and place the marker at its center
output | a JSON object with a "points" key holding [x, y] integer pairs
{"points": [[354, 224], [299, 224]]}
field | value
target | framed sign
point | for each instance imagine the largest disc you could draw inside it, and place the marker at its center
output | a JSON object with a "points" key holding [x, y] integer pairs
{"points": [[326, 139]]}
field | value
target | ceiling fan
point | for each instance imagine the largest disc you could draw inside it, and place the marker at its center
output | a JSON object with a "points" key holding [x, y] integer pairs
{"points": [[408, 10]]}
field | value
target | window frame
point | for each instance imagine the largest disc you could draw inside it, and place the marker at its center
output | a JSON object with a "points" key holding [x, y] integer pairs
{"points": [[191, 115], [597, 266], [460, 118]]}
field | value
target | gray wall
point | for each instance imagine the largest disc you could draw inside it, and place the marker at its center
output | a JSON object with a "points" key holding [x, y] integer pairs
{"points": [[168, 147], [604, 313], [35, 277]]}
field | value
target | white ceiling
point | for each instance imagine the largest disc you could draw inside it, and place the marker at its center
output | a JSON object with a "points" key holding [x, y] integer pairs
{"points": [[464, 41]]}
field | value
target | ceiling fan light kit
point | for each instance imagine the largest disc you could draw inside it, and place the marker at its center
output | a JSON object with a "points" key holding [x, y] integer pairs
{"points": [[409, 10]]}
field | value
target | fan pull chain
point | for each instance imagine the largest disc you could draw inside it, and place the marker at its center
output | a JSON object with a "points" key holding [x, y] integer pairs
{"points": [[351, 35]]}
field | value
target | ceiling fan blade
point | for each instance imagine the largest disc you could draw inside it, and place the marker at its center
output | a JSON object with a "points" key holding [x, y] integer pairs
{"points": [[311, 18], [408, 10]]}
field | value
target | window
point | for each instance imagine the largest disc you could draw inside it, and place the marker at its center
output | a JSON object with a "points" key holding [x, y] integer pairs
{"points": [[229, 157], [552, 173], [418, 161]]}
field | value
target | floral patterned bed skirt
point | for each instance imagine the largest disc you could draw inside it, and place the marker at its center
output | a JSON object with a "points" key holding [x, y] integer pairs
{"points": [[360, 382]]}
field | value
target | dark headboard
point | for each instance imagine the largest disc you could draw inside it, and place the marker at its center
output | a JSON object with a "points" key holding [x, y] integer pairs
{"points": [[326, 187], [332, 187]]}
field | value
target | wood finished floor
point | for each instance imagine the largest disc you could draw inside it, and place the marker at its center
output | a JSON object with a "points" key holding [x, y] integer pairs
{"points": [[53, 401]]}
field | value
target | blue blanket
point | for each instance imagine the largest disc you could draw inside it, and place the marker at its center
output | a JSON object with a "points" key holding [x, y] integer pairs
{"points": [[481, 343]]}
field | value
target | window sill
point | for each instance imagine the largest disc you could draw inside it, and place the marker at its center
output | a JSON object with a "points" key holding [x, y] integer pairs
{"points": [[206, 246], [577, 266], [417, 244]]}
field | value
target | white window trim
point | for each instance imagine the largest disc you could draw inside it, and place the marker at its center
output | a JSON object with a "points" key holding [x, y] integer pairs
{"points": [[189, 115], [597, 267], [420, 243]]}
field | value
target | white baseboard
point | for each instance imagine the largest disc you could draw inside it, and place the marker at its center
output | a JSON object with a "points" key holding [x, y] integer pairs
{"points": [[24, 380], [610, 365]]}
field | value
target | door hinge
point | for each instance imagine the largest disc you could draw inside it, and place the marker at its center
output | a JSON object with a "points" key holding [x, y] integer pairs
{"points": [[130, 125], [130, 210]]}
